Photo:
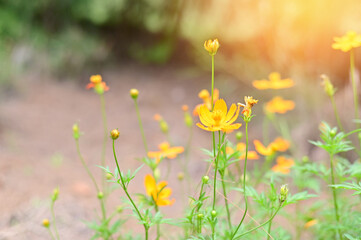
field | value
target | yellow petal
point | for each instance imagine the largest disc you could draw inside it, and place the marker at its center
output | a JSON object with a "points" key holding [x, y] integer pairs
{"points": [[150, 185], [221, 106]]}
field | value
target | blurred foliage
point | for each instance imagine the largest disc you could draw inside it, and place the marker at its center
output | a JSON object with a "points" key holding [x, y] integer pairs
{"points": [[256, 37]]}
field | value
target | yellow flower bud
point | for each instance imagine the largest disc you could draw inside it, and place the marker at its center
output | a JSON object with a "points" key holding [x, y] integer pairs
{"points": [[211, 46], [114, 134], [109, 176], [134, 93], [76, 133], [180, 176], [46, 222], [283, 193], [163, 126], [55, 195]]}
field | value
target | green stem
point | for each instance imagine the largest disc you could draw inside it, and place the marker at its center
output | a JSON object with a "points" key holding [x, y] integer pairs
{"points": [[104, 117], [215, 173], [226, 202], [141, 126], [269, 228], [212, 103], [336, 114], [146, 227], [53, 220], [244, 184], [255, 228], [334, 194], [91, 177], [158, 225], [51, 234]]}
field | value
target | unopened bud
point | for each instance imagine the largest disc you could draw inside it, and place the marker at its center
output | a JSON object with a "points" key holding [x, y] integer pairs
{"points": [[305, 159], [200, 215], [46, 223], [120, 209], [328, 87], [205, 179], [55, 195], [76, 133], [109, 176], [333, 133], [283, 193], [214, 213], [114, 134], [188, 120], [163, 126], [180, 176], [134, 93], [156, 174], [100, 195], [211, 46], [239, 135]]}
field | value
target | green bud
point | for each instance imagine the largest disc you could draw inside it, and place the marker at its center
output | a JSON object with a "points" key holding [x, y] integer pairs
{"points": [[214, 213], [328, 87], [100, 195], [305, 159], [134, 93], [200, 215], [283, 193], [163, 126], [156, 174], [55, 195], [188, 120], [333, 133], [205, 179], [76, 133], [239, 135], [120, 209], [109, 176], [180, 176]]}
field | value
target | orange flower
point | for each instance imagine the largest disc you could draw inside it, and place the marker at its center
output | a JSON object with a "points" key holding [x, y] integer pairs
{"points": [[159, 193], [311, 223], [96, 82], [347, 42], [211, 46], [247, 108], [166, 152], [274, 82], [207, 100], [157, 117], [283, 165], [185, 108], [279, 105], [278, 145], [219, 118]]}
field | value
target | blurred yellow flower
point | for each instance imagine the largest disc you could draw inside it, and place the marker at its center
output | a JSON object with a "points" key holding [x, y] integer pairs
{"points": [[159, 193], [241, 147], [157, 117], [279, 105], [207, 100], [247, 108], [211, 46], [278, 145], [97, 83], [219, 119], [311, 223], [283, 165], [274, 82], [165, 152], [347, 42]]}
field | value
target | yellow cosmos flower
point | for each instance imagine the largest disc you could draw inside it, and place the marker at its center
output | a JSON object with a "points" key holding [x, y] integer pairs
{"points": [[347, 42], [219, 119], [159, 192], [283, 165], [211, 46], [311, 223], [247, 108], [166, 152], [278, 145], [279, 105], [97, 83], [207, 100], [274, 82]]}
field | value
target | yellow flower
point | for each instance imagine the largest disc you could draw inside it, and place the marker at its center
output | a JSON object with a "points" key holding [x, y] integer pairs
{"points": [[278, 145], [347, 42], [166, 152], [279, 105], [283, 165], [247, 108], [207, 100], [211, 46], [159, 193], [219, 118], [96, 82], [311, 223], [274, 82], [241, 147], [157, 117]]}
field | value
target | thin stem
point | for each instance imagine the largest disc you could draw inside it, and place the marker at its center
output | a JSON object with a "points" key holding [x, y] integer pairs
{"points": [[53, 220], [141, 126], [244, 184], [91, 177], [215, 173], [105, 126], [255, 228], [336, 114], [334, 194], [269, 228], [51, 234], [146, 227], [226, 202], [212, 103], [158, 225]]}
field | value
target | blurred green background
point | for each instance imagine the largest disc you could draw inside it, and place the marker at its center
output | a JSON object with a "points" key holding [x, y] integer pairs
{"points": [[64, 37]]}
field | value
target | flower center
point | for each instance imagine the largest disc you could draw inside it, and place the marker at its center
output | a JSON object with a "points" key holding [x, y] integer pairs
{"points": [[217, 117]]}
